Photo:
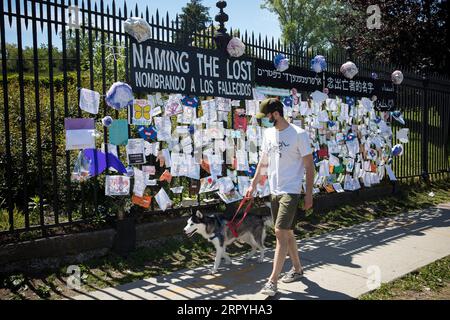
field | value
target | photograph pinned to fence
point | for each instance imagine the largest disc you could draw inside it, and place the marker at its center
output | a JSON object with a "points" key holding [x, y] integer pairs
{"points": [[208, 184], [117, 186], [230, 197]]}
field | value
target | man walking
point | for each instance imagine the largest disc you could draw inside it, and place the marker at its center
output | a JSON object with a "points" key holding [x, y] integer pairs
{"points": [[285, 155]]}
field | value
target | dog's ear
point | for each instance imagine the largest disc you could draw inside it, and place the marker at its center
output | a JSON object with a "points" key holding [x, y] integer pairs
{"points": [[199, 214]]}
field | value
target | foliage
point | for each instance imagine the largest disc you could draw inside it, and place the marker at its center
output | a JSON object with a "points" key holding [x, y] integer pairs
{"points": [[101, 46], [193, 20], [308, 23], [43, 291], [54, 183], [18, 217], [413, 33], [12, 56]]}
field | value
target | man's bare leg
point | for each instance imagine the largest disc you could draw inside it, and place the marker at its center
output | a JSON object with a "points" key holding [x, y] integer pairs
{"points": [[281, 252], [293, 252]]}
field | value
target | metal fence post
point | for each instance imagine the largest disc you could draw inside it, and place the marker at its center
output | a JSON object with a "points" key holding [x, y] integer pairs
{"points": [[425, 128], [125, 239]]}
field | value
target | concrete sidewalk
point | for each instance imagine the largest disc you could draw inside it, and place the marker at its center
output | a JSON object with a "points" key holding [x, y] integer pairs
{"points": [[340, 265]]}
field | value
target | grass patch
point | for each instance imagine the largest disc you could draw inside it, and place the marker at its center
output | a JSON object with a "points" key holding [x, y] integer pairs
{"points": [[179, 253], [19, 219], [430, 282], [415, 196]]}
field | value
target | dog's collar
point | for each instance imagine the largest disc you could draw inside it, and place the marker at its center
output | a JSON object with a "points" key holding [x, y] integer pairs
{"points": [[214, 236]]}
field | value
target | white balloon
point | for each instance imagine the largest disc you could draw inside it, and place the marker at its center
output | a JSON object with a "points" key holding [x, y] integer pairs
{"points": [[397, 77], [317, 68], [283, 66], [138, 28], [349, 70], [236, 48]]}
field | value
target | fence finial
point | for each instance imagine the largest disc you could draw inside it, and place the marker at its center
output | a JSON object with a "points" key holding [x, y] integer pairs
{"points": [[221, 37], [349, 48]]}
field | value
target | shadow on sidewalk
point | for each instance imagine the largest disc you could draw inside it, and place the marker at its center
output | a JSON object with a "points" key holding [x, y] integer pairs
{"points": [[244, 279], [312, 292]]}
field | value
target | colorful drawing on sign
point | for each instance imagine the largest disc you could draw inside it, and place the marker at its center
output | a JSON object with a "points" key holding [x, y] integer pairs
{"points": [[173, 107], [148, 133], [140, 113], [240, 120]]}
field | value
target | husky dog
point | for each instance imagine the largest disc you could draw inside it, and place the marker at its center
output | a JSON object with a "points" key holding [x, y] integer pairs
{"points": [[215, 230]]}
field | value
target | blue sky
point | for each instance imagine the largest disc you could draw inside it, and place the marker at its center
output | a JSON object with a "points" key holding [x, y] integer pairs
{"points": [[244, 15]]}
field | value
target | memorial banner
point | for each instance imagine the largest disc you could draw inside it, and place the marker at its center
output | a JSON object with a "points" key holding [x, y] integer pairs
{"points": [[157, 67]]}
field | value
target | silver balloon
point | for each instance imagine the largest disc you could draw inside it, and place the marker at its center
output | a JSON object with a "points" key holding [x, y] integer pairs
{"points": [[236, 48], [349, 70], [397, 77], [138, 28], [283, 65]]}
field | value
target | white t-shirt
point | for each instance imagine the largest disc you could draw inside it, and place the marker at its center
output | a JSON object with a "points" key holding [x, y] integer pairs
{"points": [[285, 151]]}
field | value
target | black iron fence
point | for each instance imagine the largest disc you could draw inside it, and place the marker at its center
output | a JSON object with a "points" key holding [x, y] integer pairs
{"points": [[40, 87]]}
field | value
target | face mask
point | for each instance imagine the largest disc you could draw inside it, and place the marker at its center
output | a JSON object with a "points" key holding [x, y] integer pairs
{"points": [[266, 123], [273, 121]]}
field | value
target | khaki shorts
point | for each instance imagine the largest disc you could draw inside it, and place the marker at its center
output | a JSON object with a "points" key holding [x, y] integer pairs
{"points": [[284, 210]]}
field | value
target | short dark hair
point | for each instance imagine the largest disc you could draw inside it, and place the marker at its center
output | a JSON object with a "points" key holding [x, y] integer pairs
{"points": [[269, 106], [280, 111], [275, 105]]}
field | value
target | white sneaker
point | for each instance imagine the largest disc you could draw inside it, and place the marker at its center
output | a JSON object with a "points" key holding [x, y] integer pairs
{"points": [[292, 276], [270, 289]]}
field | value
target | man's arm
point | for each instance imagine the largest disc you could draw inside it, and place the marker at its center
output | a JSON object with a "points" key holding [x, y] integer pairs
{"points": [[261, 170], [309, 167]]}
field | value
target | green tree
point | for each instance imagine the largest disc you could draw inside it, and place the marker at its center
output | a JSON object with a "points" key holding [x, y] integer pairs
{"points": [[412, 33], [11, 56], [308, 23], [27, 62], [193, 20], [208, 42]]}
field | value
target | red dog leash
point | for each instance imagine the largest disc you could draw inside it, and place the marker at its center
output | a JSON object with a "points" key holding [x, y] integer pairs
{"points": [[234, 226]]}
